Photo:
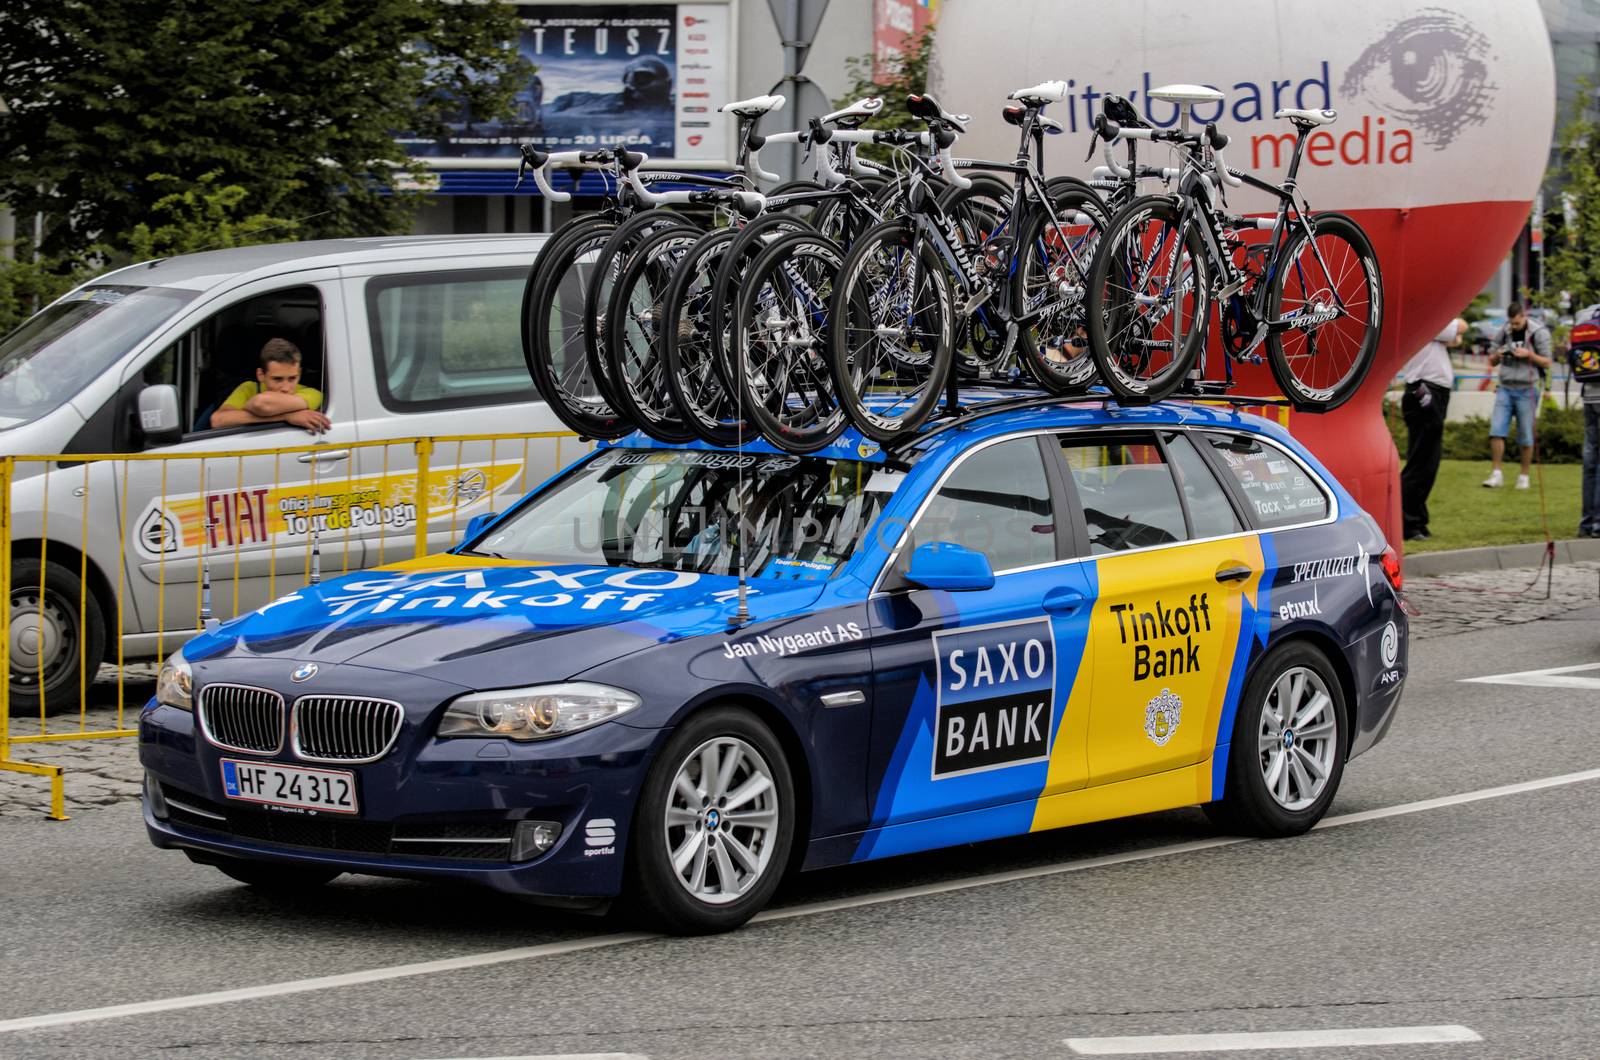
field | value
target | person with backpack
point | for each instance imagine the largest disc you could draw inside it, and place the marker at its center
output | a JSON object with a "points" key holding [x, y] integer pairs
{"points": [[1584, 360], [1429, 377], [1522, 352]]}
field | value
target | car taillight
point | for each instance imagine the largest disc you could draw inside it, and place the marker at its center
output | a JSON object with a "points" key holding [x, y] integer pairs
{"points": [[1391, 570]]}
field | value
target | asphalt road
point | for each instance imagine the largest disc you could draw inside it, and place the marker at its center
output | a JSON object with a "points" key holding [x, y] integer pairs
{"points": [[1479, 914]]}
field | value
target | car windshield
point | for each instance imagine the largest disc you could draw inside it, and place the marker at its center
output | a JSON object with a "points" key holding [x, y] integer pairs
{"points": [[682, 510], [56, 352]]}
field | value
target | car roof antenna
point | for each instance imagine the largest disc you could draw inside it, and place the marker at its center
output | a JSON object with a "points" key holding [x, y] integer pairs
{"points": [[741, 616]]}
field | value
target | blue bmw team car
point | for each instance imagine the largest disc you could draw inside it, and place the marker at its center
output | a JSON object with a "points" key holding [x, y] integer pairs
{"points": [[1032, 617]]}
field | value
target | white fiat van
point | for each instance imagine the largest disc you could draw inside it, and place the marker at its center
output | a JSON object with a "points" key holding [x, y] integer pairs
{"points": [[405, 337]]}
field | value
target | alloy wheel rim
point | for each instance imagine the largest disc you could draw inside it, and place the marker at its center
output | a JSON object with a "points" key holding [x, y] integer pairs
{"points": [[721, 820], [1298, 738]]}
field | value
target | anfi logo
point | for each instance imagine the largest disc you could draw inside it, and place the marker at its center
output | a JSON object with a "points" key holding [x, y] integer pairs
{"points": [[1390, 645]]}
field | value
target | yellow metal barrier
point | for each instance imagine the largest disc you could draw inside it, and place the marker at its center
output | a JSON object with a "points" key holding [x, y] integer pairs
{"points": [[217, 518]]}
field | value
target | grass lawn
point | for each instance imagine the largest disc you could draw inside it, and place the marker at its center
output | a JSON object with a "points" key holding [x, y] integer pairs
{"points": [[1462, 514]]}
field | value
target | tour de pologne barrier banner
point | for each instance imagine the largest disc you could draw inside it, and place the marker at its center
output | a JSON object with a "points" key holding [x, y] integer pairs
{"points": [[648, 76], [284, 516]]}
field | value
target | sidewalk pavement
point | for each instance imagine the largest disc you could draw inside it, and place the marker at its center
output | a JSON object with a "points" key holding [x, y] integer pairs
{"points": [[1477, 596], [1499, 557]]}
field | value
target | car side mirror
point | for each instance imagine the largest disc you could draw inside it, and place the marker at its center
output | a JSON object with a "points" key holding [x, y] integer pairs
{"points": [[158, 413], [478, 523], [949, 566]]}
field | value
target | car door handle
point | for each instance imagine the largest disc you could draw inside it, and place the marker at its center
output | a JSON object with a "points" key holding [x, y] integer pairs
{"points": [[1233, 574], [324, 456], [1064, 601]]}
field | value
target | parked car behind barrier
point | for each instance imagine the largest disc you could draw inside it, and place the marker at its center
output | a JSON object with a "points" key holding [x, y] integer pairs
{"points": [[405, 337]]}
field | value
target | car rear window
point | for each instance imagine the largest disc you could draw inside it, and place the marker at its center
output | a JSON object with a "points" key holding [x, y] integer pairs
{"points": [[1277, 490]]}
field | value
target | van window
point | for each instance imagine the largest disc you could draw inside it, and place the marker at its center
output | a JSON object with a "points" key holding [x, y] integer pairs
{"points": [[56, 352], [1276, 489], [211, 359], [449, 339], [1126, 490], [996, 501]]}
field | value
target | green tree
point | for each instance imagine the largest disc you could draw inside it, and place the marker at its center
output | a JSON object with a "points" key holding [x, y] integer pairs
{"points": [[1572, 257], [295, 103], [894, 80], [202, 216]]}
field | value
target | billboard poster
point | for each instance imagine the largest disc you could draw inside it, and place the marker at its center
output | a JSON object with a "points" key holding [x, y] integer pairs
{"points": [[646, 76], [895, 23]]}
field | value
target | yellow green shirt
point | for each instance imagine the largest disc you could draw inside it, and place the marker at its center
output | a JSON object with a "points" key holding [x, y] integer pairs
{"points": [[245, 391]]}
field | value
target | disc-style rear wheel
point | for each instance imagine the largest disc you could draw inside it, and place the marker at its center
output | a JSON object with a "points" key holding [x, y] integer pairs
{"points": [[1328, 292]]}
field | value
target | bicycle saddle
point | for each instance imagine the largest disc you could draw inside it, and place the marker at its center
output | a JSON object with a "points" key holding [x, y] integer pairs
{"points": [[1039, 95], [753, 107], [855, 114], [1308, 117], [1185, 94], [927, 108], [1121, 110]]}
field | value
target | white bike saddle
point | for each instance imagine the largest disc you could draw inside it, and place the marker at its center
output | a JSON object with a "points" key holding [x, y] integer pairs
{"points": [[1190, 94], [753, 107], [1309, 117], [1039, 95], [855, 113]]}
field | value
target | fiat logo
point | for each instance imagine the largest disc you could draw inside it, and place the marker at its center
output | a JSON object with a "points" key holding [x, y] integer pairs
{"points": [[305, 673]]}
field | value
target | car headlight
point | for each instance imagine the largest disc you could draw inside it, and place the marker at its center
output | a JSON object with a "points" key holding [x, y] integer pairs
{"points": [[536, 713], [175, 684]]}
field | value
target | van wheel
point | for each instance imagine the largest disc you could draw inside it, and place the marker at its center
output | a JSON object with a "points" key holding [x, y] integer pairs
{"points": [[1289, 746], [714, 825], [48, 636]]}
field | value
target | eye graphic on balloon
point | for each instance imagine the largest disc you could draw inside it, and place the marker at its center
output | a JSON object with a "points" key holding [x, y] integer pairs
{"points": [[1431, 70]]}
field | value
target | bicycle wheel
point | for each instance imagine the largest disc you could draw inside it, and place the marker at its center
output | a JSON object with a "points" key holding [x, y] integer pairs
{"points": [[552, 340], [1328, 290], [780, 343], [1049, 286], [747, 246], [1148, 301], [696, 383], [894, 331], [633, 319], [980, 214], [608, 266]]}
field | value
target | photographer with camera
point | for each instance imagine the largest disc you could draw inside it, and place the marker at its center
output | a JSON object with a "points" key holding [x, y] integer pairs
{"points": [[1522, 352]]}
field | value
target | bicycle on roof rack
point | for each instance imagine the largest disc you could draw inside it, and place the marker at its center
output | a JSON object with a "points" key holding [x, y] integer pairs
{"points": [[1312, 292]]}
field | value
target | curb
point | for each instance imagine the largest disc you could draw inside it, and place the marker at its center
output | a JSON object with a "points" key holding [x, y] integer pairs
{"points": [[1498, 557]]}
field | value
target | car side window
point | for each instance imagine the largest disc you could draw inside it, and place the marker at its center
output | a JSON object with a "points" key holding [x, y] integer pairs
{"points": [[1126, 491], [1211, 514], [209, 361], [996, 501], [1276, 489], [449, 339]]}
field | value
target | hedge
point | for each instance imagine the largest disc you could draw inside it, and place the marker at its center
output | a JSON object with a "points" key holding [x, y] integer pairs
{"points": [[1560, 435]]}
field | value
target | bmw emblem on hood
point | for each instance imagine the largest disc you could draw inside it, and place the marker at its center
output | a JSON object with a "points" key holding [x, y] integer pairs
{"points": [[305, 673]]}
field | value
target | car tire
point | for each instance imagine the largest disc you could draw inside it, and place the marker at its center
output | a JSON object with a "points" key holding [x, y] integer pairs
{"points": [[740, 835], [51, 622], [1283, 772], [272, 876]]}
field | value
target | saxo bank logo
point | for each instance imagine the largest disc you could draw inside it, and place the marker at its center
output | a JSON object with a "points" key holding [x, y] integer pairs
{"points": [[996, 696]]}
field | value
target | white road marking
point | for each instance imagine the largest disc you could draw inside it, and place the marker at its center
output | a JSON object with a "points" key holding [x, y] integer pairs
{"points": [[557, 949], [1555, 677], [561, 1056], [1216, 1043]]}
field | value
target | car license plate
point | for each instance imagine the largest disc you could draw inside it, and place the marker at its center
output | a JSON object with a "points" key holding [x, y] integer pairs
{"points": [[332, 790]]}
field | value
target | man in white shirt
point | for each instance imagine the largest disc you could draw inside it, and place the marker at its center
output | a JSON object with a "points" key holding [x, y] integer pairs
{"points": [[1429, 377]]}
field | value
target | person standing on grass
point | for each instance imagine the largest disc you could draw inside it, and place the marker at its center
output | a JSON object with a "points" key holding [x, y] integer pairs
{"points": [[1589, 522], [1429, 377], [1522, 353]]}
